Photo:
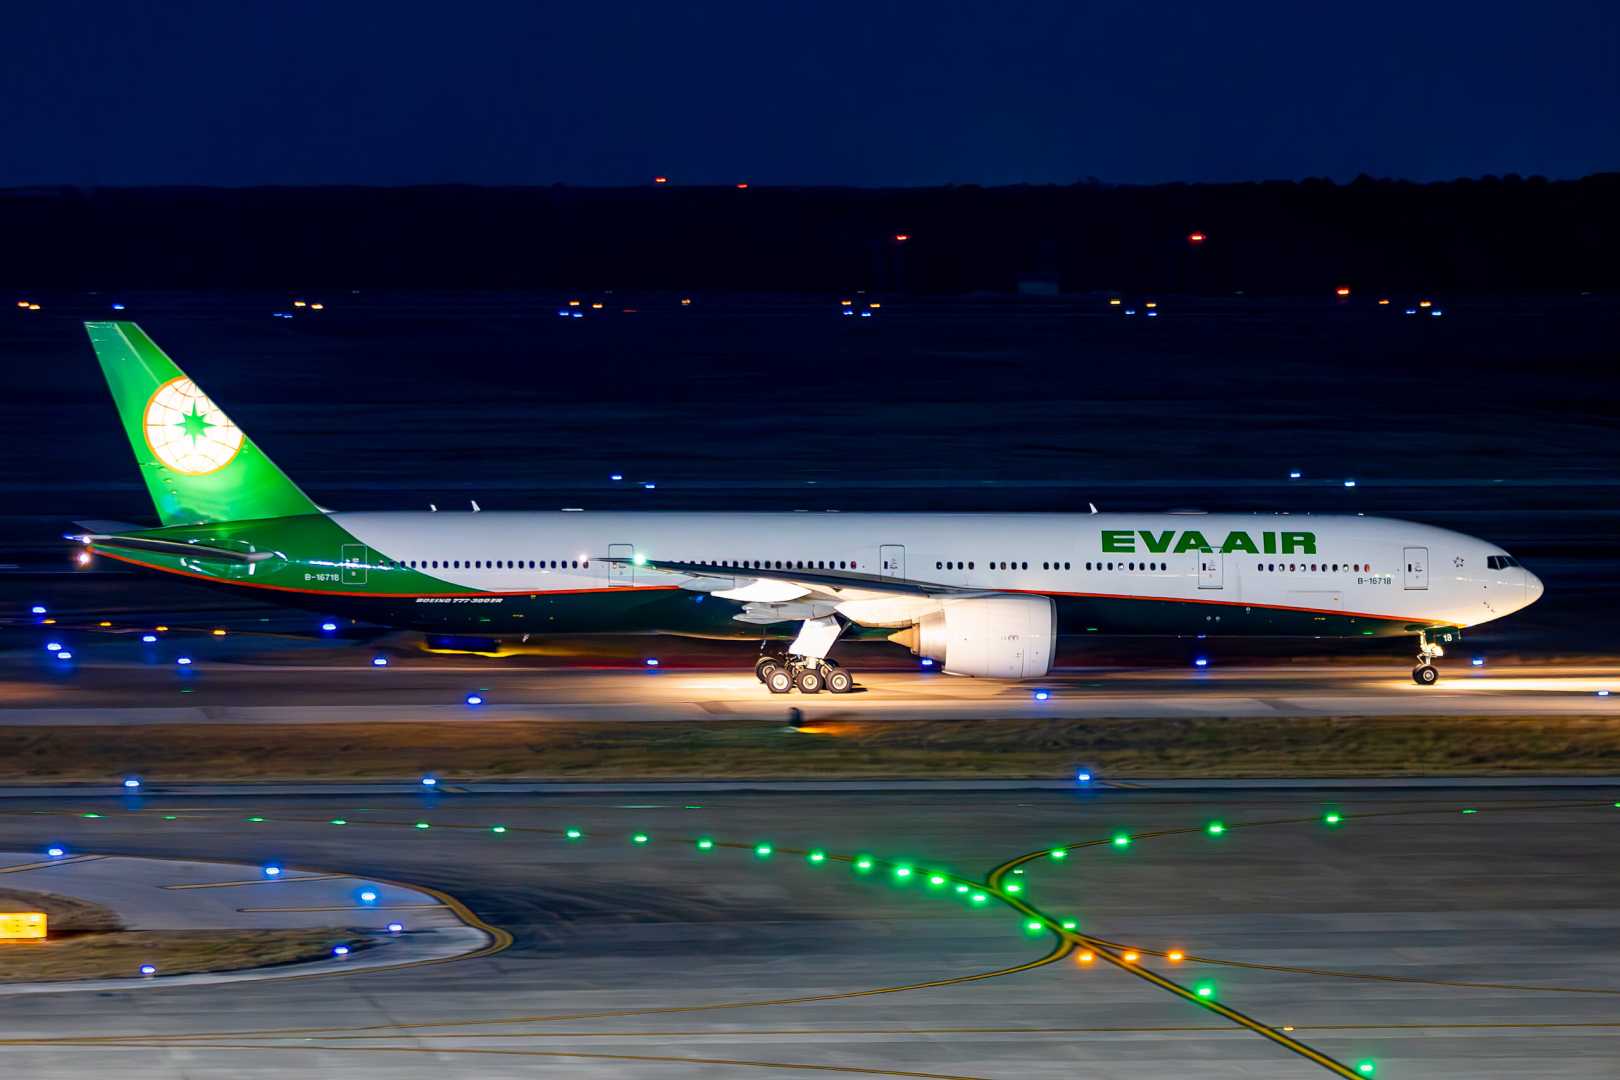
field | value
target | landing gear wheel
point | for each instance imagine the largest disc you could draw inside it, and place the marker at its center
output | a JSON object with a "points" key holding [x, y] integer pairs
{"points": [[778, 681], [764, 666], [1425, 674], [840, 681], [808, 682]]}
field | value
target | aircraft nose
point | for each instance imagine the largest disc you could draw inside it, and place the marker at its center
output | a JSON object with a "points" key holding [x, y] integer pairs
{"points": [[1532, 588]]}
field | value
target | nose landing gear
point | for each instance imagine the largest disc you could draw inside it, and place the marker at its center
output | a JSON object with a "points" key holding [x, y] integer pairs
{"points": [[1430, 650]]}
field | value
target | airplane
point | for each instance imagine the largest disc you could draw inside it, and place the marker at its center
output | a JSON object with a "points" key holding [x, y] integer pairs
{"points": [[982, 595]]}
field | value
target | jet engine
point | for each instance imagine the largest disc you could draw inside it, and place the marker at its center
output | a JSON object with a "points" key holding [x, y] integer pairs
{"points": [[996, 637]]}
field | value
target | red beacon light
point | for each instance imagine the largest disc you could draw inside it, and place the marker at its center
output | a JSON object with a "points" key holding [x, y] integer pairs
{"points": [[1196, 238], [901, 237], [743, 186]]}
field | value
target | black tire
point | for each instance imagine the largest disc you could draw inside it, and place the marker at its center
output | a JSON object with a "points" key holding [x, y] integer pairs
{"points": [[808, 681], [779, 681], [1425, 674], [764, 666], [840, 681]]}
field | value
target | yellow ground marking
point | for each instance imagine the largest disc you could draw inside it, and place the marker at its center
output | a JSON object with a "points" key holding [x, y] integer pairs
{"points": [[348, 907], [281, 880], [20, 868]]}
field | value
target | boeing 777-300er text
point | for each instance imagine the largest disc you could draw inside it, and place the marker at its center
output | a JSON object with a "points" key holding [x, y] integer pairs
{"points": [[980, 594]]}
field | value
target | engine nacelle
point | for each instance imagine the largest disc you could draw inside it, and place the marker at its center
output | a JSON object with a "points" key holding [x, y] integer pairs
{"points": [[996, 637]]}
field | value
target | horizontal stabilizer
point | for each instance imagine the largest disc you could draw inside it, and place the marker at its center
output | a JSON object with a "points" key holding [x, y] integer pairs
{"points": [[176, 547]]}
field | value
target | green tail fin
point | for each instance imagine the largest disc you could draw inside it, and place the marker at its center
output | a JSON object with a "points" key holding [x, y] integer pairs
{"points": [[197, 464]]}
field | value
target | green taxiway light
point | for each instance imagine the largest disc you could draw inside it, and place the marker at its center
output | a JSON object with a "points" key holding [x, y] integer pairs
{"points": [[962, 888], [1332, 819], [1060, 853], [817, 856], [903, 872], [979, 898], [497, 828], [255, 817], [573, 834], [640, 838], [1070, 924], [1205, 990], [89, 815], [763, 850], [864, 863], [936, 880], [1014, 887], [1215, 828], [1470, 810], [1034, 926], [1366, 1068], [705, 844], [423, 825], [169, 817], [339, 821], [1122, 840]]}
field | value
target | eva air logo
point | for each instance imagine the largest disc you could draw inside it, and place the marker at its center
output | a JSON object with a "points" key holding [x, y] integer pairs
{"points": [[187, 432]]}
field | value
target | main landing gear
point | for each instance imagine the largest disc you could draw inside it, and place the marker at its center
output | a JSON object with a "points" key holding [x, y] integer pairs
{"points": [[785, 672], [1429, 650]]}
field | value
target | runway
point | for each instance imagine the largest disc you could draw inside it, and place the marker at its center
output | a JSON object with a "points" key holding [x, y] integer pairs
{"points": [[1412, 934], [236, 680]]}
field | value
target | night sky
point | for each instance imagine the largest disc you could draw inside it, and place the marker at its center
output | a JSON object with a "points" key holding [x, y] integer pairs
{"points": [[1045, 91]]}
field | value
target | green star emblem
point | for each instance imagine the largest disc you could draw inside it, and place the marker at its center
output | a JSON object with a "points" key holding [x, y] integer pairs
{"points": [[193, 425]]}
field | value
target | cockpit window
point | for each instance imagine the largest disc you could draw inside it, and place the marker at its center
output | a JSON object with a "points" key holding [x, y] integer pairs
{"points": [[1500, 562]]}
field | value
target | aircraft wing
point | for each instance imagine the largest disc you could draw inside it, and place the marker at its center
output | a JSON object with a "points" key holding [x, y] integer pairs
{"points": [[829, 584], [172, 547]]}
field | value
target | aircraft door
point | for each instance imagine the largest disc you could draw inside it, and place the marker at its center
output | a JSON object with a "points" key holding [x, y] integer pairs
{"points": [[621, 573], [892, 561], [1210, 567], [353, 561], [1417, 567]]}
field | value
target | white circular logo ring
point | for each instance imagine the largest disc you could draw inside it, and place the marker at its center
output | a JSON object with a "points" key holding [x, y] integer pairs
{"points": [[187, 431]]}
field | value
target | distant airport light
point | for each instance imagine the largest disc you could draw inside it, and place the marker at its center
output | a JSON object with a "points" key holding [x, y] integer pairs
{"points": [[901, 237], [1332, 818], [1436, 313], [104, 623], [1034, 926], [64, 655], [1215, 828], [961, 888], [1602, 693], [338, 821], [863, 863], [1042, 695], [936, 880], [1205, 990], [1342, 290], [573, 303], [497, 829], [1130, 956], [1349, 483], [1130, 311], [83, 557], [1196, 238], [328, 626], [1202, 661], [742, 186], [640, 838], [1070, 924], [340, 951], [660, 179], [1383, 301], [317, 307], [927, 661], [423, 825], [38, 609], [1175, 956], [1425, 303], [1366, 1068], [1479, 661], [1411, 311], [817, 856], [705, 844], [183, 661], [903, 872], [1083, 776], [1122, 840], [617, 476], [132, 782], [1114, 301], [379, 661], [1085, 956], [300, 303], [53, 646], [980, 898], [763, 850], [1058, 853], [1295, 474], [148, 638], [573, 834], [866, 314], [396, 928], [272, 871], [160, 629], [55, 852], [368, 897], [596, 305], [1469, 810], [1014, 888], [686, 301], [652, 661], [429, 781], [650, 487], [1151, 304], [217, 632], [874, 305], [118, 307], [474, 699], [1153, 314], [148, 970]]}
